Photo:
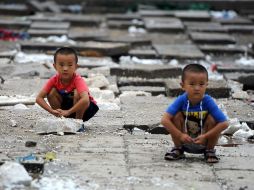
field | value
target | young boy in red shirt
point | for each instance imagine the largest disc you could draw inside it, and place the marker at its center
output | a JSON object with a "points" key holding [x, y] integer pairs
{"points": [[67, 92]]}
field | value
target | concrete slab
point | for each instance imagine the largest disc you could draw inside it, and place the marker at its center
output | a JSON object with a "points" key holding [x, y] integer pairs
{"points": [[240, 28], [144, 54], [14, 9], [212, 38], [217, 89], [179, 51], [14, 24], [193, 15], [205, 26], [29, 87], [134, 41], [135, 81], [128, 16], [123, 24], [151, 89], [223, 49], [160, 24], [50, 25], [91, 47], [235, 20], [46, 32], [142, 71], [235, 68], [156, 13]]}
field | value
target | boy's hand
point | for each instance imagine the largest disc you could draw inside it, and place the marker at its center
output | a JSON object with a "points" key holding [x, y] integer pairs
{"points": [[185, 138], [200, 139], [56, 113], [64, 113]]}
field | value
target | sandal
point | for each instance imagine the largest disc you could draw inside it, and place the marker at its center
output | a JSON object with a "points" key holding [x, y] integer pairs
{"points": [[176, 153], [210, 156]]}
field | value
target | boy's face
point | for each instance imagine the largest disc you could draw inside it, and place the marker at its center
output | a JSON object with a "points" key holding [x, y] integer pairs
{"points": [[195, 85], [65, 65]]}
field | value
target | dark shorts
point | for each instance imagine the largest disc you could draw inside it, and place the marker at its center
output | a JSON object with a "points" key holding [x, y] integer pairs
{"points": [[67, 103]]}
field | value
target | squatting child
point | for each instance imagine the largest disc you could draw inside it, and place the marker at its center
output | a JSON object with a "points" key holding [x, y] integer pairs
{"points": [[67, 92], [193, 120]]}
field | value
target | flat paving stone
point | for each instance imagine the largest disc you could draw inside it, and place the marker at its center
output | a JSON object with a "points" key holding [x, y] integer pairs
{"points": [[212, 38], [155, 24], [156, 13], [101, 48], [14, 9], [142, 71], [235, 20], [124, 24], [144, 53], [205, 26], [15, 24], [240, 28], [179, 51], [223, 49], [50, 25], [193, 15], [127, 16], [134, 41], [217, 89], [235, 68], [152, 89], [46, 32], [135, 81]]}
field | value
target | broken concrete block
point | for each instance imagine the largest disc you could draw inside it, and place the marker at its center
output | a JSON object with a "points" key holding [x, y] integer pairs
{"points": [[216, 89], [46, 32], [179, 51], [205, 27], [143, 71], [223, 49], [97, 81], [193, 15], [144, 54], [167, 24], [212, 38], [50, 25]]}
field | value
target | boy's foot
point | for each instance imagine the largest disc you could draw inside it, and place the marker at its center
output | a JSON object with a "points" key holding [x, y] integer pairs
{"points": [[176, 153], [210, 156]]}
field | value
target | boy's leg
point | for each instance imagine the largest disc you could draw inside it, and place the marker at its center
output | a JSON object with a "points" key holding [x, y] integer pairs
{"points": [[178, 121], [208, 125], [54, 99], [210, 155], [176, 152], [80, 112]]}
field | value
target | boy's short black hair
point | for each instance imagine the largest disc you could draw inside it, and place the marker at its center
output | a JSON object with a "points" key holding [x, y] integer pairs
{"points": [[194, 67], [66, 51]]}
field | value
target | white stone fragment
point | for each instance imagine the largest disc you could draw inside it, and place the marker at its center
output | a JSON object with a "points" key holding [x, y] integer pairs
{"points": [[97, 81], [57, 125], [13, 123], [13, 173]]}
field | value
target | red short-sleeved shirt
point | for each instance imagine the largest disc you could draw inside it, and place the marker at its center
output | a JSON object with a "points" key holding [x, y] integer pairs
{"points": [[77, 83]]}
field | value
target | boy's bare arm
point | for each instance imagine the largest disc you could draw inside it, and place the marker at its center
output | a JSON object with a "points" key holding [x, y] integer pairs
{"points": [[40, 101], [166, 121], [217, 129]]}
